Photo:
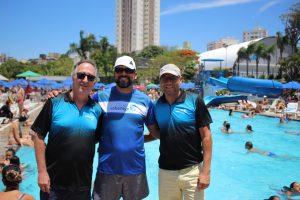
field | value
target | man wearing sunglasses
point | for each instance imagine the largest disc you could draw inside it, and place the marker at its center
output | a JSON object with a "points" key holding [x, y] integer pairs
{"points": [[185, 140], [121, 169], [70, 120]]}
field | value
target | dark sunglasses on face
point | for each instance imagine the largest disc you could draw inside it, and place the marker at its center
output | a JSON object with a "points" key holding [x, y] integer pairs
{"points": [[170, 78], [82, 75], [126, 70]]}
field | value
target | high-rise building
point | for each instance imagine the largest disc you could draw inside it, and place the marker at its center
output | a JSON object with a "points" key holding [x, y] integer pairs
{"points": [[256, 33], [223, 42], [137, 24]]}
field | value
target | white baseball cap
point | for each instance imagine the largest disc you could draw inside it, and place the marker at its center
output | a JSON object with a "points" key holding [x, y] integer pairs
{"points": [[125, 61], [170, 69]]}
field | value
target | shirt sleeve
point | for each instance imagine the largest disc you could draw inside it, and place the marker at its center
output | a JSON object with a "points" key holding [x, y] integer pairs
{"points": [[203, 117], [42, 123], [150, 115], [95, 97]]}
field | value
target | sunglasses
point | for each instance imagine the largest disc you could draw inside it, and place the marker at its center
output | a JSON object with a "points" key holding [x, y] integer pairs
{"points": [[171, 78], [126, 70], [82, 75]]}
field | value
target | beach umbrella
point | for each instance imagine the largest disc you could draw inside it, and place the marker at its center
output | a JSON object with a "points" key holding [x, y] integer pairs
{"points": [[21, 81], [152, 85], [28, 74], [68, 82], [292, 85], [2, 78]]}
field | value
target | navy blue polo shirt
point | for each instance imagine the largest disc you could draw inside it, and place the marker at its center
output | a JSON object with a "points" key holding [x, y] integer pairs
{"points": [[71, 141], [179, 123]]}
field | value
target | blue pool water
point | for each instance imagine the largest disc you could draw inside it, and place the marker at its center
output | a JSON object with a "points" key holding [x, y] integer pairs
{"points": [[235, 174]]}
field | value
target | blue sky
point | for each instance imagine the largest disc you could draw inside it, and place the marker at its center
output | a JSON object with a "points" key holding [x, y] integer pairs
{"points": [[29, 28]]}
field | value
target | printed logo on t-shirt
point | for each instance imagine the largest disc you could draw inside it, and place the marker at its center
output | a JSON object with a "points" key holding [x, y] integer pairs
{"points": [[90, 117], [123, 107]]}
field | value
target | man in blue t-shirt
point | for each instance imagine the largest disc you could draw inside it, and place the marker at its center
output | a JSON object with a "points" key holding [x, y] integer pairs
{"points": [[121, 169]]}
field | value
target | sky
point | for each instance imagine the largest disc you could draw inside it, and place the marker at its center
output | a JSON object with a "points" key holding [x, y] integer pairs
{"points": [[32, 27]]}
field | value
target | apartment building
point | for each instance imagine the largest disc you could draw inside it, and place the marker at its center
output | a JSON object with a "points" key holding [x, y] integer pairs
{"points": [[137, 24]]}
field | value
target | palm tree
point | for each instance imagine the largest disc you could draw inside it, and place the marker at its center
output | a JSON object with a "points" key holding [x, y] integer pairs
{"points": [[241, 54], [249, 52], [268, 52], [281, 42], [85, 47], [258, 51], [104, 55]]}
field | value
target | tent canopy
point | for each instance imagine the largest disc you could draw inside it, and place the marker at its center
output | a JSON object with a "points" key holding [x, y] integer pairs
{"points": [[28, 74], [3, 78]]}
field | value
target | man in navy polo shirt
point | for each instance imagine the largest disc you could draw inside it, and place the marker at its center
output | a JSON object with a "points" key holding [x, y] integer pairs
{"points": [[70, 120], [185, 140]]}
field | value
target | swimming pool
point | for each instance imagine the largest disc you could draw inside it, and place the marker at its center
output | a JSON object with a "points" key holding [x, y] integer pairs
{"points": [[235, 174]]}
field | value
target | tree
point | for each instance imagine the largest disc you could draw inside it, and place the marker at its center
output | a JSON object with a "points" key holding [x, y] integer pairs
{"points": [[248, 53], [258, 50], [85, 46], [241, 55], [151, 51], [11, 68], [292, 25], [104, 55], [289, 67], [281, 42], [267, 53]]}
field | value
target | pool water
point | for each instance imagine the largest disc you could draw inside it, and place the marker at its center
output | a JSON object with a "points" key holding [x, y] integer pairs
{"points": [[235, 174]]}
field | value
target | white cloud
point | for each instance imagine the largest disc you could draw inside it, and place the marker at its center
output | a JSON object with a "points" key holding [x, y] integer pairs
{"points": [[199, 6], [268, 5]]}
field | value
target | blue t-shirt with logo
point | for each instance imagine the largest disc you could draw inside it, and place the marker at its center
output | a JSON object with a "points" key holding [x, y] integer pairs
{"points": [[121, 146]]}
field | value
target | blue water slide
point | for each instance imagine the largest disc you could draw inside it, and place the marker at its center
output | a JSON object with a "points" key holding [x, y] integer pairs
{"points": [[217, 100], [254, 86], [221, 82]]}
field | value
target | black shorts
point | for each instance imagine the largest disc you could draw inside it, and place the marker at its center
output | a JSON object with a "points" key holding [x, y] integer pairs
{"points": [[132, 187]]}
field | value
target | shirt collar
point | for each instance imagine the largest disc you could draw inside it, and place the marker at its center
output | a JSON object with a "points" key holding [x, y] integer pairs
{"points": [[67, 97], [180, 99]]}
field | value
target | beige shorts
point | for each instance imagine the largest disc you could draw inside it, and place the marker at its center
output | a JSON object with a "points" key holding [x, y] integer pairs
{"points": [[180, 184]]}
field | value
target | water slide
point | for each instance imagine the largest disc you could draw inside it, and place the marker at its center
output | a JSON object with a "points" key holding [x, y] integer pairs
{"points": [[259, 87], [217, 100], [238, 84]]}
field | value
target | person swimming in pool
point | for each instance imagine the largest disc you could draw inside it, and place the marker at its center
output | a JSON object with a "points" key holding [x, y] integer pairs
{"points": [[226, 128], [249, 129], [292, 133], [249, 147], [292, 191]]}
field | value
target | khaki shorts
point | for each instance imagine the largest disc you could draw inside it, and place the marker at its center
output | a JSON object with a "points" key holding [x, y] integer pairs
{"points": [[180, 184]]}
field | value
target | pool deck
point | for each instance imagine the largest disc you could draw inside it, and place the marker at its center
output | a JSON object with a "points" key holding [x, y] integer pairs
{"points": [[34, 110]]}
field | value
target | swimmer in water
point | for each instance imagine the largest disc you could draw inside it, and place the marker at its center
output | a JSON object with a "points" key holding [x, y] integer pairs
{"points": [[249, 129], [249, 147]]}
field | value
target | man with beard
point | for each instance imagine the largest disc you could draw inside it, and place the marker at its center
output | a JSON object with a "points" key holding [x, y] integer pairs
{"points": [[121, 169]]}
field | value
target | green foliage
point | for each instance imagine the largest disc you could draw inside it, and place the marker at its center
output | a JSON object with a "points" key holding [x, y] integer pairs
{"points": [[104, 55], [151, 52], [262, 76], [292, 22], [289, 67], [11, 68]]}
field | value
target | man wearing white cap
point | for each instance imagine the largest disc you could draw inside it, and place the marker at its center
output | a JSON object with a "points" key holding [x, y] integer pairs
{"points": [[185, 140], [121, 170]]}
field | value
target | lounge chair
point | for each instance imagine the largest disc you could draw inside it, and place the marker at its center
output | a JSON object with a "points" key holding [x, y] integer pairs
{"points": [[292, 109]]}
